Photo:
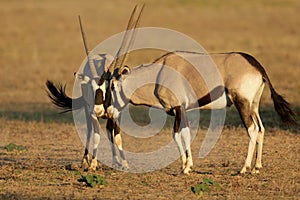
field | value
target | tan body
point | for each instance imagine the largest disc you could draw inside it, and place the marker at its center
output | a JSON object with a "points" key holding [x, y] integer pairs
{"points": [[175, 85], [238, 77], [242, 83]]}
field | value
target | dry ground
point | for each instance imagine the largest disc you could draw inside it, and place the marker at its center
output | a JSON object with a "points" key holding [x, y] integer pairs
{"points": [[41, 39], [40, 171]]}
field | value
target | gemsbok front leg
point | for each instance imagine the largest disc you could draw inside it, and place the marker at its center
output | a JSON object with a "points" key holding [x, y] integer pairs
{"points": [[181, 130], [97, 129]]}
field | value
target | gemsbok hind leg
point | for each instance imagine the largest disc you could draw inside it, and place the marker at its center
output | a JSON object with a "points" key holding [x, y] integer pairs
{"points": [[250, 122], [260, 139], [115, 138], [181, 130], [261, 131], [110, 133], [85, 159]]}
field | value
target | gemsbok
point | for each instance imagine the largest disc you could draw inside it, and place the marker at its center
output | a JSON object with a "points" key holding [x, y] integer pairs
{"points": [[96, 64], [243, 79]]}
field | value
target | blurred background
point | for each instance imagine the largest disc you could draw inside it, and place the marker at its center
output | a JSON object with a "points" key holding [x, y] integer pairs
{"points": [[40, 40]]}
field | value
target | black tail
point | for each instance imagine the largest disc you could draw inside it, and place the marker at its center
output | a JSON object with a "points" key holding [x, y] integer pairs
{"points": [[58, 96], [282, 107]]}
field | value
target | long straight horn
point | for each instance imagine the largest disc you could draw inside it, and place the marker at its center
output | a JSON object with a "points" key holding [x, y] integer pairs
{"points": [[115, 62], [131, 41], [90, 61]]}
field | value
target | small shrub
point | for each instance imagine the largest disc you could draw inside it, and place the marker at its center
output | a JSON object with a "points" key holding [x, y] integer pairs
{"points": [[205, 186], [12, 146], [92, 180]]}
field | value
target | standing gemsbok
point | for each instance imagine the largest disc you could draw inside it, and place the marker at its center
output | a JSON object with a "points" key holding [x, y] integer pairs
{"points": [[243, 80], [91, 76]]}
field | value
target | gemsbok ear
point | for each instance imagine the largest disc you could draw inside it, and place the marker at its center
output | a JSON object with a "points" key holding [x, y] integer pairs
{"points": [[124, 70]]}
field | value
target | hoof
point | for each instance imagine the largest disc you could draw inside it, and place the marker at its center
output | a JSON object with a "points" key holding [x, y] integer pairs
{"points": [[121, 166], [258, 166], [244, 170], [84, 165], [187, 170], [125, 165], [93, 166], [255, 171], [190, 163], [116, 162]]}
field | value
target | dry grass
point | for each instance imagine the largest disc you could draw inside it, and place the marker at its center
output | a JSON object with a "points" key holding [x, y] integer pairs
{"points": [[40, 40], [40, 171]]}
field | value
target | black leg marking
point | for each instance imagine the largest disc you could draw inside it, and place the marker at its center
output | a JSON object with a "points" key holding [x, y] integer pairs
{"points": [[180, 119], [110, 128], [243, 107]]}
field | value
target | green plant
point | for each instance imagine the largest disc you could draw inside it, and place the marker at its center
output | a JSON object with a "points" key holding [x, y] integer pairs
{"points": [[205, 186], [12, 146], [92, 180]]}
